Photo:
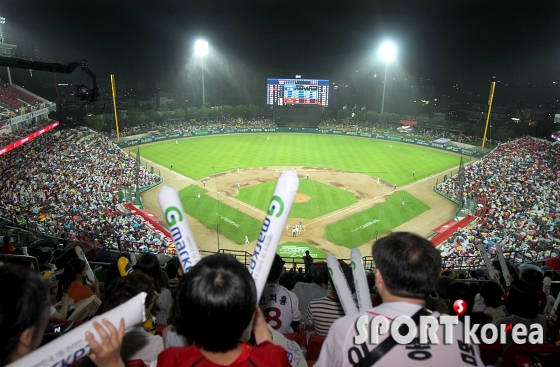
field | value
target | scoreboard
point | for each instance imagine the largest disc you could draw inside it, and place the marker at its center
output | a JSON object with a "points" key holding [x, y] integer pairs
{"points": [[283, 92]]}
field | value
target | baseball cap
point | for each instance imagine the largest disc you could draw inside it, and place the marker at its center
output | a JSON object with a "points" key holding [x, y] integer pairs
{"points": [[7, 238]]}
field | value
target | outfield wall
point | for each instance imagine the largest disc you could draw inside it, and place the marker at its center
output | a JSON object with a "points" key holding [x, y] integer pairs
{"points": [[382, 136]]}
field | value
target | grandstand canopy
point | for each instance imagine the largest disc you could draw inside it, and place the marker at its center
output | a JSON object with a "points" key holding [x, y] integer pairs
{"points": [[408, 122]]}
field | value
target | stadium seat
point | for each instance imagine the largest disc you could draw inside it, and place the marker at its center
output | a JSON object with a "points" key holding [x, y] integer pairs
{"points": [[85, 308], [135, 363], [314, 348], [292, 336]]}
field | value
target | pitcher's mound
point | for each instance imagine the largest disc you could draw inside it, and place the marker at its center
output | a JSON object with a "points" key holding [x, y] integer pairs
{"points": [[301, 198]]}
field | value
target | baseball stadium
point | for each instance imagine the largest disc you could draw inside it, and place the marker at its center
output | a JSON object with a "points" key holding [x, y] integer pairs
{"points": [[146, 228]]}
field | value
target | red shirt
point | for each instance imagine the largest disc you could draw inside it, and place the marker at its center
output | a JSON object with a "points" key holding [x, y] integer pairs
{"points": [[7, 248], [265, 354]]}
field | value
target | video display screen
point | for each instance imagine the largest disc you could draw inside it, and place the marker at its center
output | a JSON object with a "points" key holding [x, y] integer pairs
{"points": [[283, 92]]}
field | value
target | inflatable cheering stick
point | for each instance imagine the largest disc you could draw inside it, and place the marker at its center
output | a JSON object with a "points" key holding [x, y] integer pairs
{"points": [[341, 285], [489, 266], [360, 280], [272, 228], [83, 257], [123, 264], [503, 264], [176, 219], [68, 348]]}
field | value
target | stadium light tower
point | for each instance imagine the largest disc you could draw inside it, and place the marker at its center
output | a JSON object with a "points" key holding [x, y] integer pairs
{"points": [[201, 49], [387, 52], [5, 50]]}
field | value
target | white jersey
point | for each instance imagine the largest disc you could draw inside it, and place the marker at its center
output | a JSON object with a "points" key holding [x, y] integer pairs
{"points": [[280, 308], [339, 349]]}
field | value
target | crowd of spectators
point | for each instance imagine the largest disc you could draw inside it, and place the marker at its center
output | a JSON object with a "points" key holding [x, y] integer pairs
{"points": [[189, 127], [219, 293], [517, 187], [68, 182], [7, 139]]}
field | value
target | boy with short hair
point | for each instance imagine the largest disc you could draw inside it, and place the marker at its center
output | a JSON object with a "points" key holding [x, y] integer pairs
{"points": [[217, 301]]}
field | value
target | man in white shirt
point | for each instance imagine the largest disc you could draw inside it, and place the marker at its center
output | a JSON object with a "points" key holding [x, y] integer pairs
{"points": [[279, 305], [407, 269]]}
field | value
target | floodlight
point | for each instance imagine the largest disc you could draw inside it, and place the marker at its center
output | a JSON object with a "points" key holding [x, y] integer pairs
{"points": [[201, 47], [387, 51]]}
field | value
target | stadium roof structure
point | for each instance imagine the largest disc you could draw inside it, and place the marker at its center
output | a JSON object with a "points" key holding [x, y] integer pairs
{"points": [[7, 50], [408, 122]]}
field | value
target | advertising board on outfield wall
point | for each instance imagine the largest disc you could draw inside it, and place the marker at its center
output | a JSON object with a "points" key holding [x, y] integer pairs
{"points": [[384, 136]]}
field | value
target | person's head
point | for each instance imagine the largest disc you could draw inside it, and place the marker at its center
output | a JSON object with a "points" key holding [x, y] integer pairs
{"points": [[7, 239], [218, 293], [24, 311], [124, 288], [321, 277], [288, 280], [149, 265], [442, 283], [171, 270], [407, 265], [57, 253], [44, 257], [533, 277], [522, 300], [307, 253], [492, 294], [460, 290], [74, 269], [275, 269]]}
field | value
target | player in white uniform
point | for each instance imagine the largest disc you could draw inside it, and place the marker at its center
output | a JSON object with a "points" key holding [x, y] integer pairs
{"points": [[279, 305], [407, 269]]}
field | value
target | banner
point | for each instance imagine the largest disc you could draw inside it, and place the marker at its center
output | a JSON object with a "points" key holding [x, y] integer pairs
{"points": [[384, 136], [40, 112], [28, 138], [151, 220]]}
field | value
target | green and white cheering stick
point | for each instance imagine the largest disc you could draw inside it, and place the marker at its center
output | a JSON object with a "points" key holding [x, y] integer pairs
{"points": [[272, 228], [489, 266], [503, 264], [360, 280], [271, 232], [176, 219], [341, 285], [83, 257], [72, 346]]}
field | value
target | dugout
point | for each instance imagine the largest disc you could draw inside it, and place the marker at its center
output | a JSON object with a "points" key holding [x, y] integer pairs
{"points": [[306, 115]]}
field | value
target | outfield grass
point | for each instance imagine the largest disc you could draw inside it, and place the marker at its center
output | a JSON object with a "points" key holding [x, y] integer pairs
{"points": [[360, 228], [323, 198], [201, 157], [209, 211]]}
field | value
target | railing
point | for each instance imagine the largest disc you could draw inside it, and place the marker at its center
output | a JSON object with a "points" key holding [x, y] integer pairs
{"points": [[476, 262], [290, 262], [18, 258]]}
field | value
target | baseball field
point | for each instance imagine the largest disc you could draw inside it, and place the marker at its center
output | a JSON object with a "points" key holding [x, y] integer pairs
{"points": [[352, 189]]}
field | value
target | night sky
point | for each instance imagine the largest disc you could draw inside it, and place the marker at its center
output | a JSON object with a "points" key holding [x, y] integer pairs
{"points": [[451, 40]]}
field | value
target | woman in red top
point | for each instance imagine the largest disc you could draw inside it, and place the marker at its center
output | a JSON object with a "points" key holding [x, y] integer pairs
{"points": [[72, 281], [216, 301]]}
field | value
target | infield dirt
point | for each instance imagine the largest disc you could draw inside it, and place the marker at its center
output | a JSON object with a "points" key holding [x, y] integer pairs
{"points": [[366, 190]]}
